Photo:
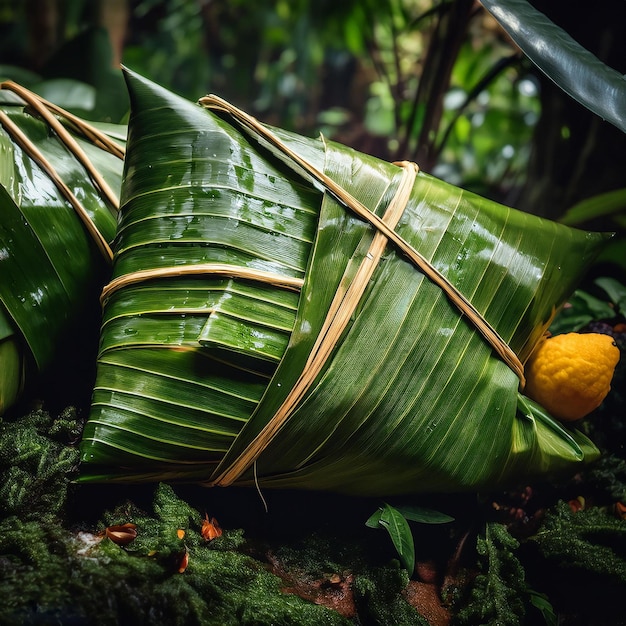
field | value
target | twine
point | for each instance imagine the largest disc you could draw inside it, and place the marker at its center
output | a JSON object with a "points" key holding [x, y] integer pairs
{"points": [[344, 304], [44, 109], [346, 300], [201, 269], [350, 202], [338, 317]]}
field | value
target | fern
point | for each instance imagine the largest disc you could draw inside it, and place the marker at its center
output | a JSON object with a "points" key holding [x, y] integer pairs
{"points": [[591, 541], [497, 595]]}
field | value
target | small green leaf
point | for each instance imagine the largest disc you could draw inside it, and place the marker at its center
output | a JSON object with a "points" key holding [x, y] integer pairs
{"points": [[401, 536], [542, 604], [615, 290], [424, 515], [601, 205], [583, 308], [374, 520]]}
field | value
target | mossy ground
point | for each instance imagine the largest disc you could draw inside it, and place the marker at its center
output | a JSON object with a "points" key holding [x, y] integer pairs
{"points": [[528, 556], [275, 567]]}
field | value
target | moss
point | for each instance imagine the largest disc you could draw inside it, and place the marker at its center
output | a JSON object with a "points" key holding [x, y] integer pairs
{"points": [[33, 566], [37, 463], [376, 593], [498, 593], [51, 573], [579, 560], [607, 478], [379, 598], [57, 566], [591, 541]]}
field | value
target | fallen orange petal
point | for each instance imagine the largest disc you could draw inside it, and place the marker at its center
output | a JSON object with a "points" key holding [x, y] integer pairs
{"points": [[184, 562], [210, 528], [578, 504], [121, 534]]}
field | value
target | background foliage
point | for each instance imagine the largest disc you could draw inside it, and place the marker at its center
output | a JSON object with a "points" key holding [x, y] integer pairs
{"points": [[437, 81]]}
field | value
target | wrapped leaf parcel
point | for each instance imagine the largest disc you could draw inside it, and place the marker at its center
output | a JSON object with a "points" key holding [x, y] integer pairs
{"points": [[59, 181], [292, 313]]}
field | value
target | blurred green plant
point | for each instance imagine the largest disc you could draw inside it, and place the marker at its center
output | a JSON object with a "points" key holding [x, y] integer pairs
{"points": [[604, 301], [428, 80], [606, 210], [168, 39], [611, 204], [436, 81], [64, 52]]}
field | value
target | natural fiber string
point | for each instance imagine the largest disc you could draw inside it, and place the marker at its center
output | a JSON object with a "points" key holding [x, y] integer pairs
{"points": [[201, 269], [33, 152], [312, 173], [344, 303], [43, 108], [258, 488], [97, 137]]}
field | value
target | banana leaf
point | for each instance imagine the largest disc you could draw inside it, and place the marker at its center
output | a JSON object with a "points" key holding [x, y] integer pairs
{"points": [[288, 312], [59, 182]]}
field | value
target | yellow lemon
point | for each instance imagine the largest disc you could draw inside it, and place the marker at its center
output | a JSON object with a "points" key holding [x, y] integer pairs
{"points": [[570, 374]]}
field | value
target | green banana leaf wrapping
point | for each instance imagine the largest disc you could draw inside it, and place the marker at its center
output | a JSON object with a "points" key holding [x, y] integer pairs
{"points": [[51, 268], [257, 330]]}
